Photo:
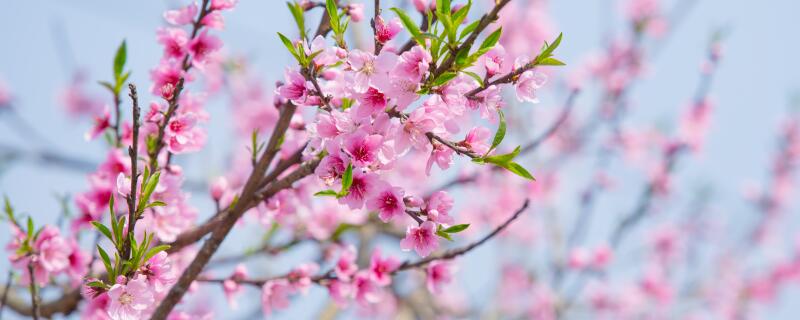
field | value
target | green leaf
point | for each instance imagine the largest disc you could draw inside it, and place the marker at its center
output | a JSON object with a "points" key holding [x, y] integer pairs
{"points": [[474, 76], [327, 193], [290, 46], [97, 284], [297, 12], [156, 204], [492, 39], [449, 28], [148, 187], [550, 62], [119, 60], [333, 13], [469, 29], [347, 178], [518, 170], [9, 210], [443, 79], [461, 14], [123, 79], [457, 228], [104, 230], [106, 262], [341, 229], [31, 229], [118, 234], [548, 49], [154, 251], [501, 132], [347, 103], [462, 58], [443, 7], [410, 26], [502, 158], [108, 86], [440, 232]]}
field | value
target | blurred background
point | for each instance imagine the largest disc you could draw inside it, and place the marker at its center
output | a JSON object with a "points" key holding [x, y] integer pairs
{"points": [[44, 158]]}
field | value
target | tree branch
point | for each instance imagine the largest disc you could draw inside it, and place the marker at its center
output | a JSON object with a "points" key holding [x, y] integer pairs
{"points": [[248, 199]]}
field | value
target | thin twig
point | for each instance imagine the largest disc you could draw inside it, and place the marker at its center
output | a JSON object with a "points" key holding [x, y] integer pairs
{"points": [[407, 265], [133, 152], [34, 291], [5, 292]]}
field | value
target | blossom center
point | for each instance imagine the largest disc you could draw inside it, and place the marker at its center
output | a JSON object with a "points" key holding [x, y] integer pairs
{"points": [[126, 298]]}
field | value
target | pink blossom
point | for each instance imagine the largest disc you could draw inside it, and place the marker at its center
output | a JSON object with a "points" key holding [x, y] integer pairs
{"points": [[101, 123], [414, 63], [656, 286], [166, 75], [326, 56], [578, 258], [346, 264], [275, 295], [340, 291], [123, 184], [422, 239], [201, 46], [181, 16], [386, 31], [5, 95], [213, 20], [356, 11], [527, 85], [364, 288], [231, 286], [158, 272], [50, 246], [330, 168], [401, 91], [47, 253], [494, 60], [218, 188], [370, 102], [413, 131], [441, 155], [174, 41], [223, 4], [380, 269], [295, 88], [476, 140], [363, 148], [488, 101], [366, 67], [78, 262], [363, 186], [129, 300], [388, 201], [74, 97], [300, 277], [438, 207], [602, 257], [182, 135], [438, 275], [424, 5]]}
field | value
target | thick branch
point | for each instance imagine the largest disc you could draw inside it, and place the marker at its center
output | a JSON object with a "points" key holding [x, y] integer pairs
{"points": [[248, 199]]}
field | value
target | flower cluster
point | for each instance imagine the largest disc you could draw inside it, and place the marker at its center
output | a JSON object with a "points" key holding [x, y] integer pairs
{"points": [[44, 253]]}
